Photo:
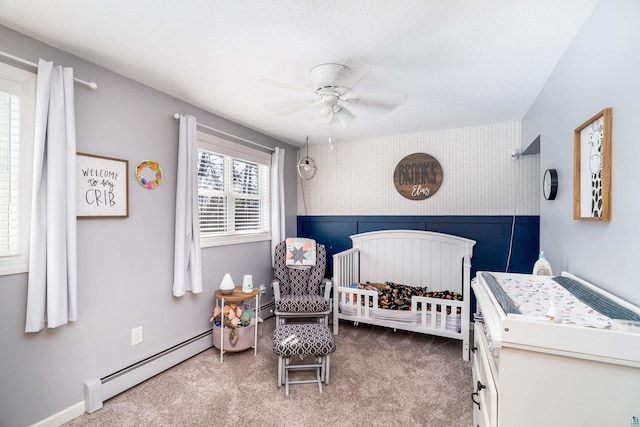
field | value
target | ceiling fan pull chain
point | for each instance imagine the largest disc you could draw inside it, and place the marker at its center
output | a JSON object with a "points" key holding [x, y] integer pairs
{"points": [[331, 136]]}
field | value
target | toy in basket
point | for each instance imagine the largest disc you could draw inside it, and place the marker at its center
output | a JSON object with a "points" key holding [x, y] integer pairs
{"points": [[239, 324]]}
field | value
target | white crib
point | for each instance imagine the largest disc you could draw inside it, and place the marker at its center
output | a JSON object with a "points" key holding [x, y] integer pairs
{"points": [[416, 258]]}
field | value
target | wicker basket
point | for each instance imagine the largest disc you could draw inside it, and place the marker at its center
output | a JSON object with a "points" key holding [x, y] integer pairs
{"points": [[246, 337]]}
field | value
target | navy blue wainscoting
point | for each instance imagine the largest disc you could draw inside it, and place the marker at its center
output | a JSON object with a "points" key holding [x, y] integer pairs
{"points": [[491, 233]]}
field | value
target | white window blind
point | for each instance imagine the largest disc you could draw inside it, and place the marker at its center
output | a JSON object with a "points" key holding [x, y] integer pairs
{"points": [[211, 195], [17, 105], [9, 174], [233, 192]]}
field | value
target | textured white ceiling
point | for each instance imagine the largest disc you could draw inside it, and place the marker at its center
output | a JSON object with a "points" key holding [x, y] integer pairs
{"points": [[461, 63]]}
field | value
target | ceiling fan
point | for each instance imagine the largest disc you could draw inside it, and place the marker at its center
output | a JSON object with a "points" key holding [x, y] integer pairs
{"points": [[331, 88]]}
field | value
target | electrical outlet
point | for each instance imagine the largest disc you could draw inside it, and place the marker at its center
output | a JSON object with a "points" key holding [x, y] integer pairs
{"points": [[136, 335]]}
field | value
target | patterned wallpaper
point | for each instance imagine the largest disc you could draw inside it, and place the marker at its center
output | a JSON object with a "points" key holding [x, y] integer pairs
{"points": [[480, 177]]}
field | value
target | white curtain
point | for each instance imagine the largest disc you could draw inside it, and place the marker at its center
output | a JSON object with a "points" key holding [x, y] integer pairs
{"points": [[277, 200], [52, 289], [187, 264]]}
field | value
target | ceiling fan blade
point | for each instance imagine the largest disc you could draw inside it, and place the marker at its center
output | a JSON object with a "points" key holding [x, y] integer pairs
{"points": [[284, 85], [297, 108], [379, 98], [357, 72]]}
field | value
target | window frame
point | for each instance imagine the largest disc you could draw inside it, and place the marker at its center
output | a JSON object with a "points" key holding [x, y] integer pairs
{"points": [[22, 83], [229, 149]]}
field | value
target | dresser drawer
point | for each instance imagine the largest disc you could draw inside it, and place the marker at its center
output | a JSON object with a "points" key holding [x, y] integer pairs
{"points": [[485, 393]]}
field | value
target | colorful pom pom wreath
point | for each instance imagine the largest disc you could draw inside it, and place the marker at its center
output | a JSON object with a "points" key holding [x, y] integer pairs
{"points": [[155, 167]]}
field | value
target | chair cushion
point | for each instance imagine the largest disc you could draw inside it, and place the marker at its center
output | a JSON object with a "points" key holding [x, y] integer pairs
{"points": [[302, 339], [299, 282], [302, 304]]}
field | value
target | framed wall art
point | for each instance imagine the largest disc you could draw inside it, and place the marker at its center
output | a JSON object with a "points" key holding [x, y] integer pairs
{"points": [[592, 168], [102, 187]]}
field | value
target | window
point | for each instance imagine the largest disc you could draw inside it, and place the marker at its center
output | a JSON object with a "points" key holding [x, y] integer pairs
{"points": [[17, 105], [233, 192]]}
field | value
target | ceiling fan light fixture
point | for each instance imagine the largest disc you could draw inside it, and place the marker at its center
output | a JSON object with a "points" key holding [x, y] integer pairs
{"points": [[325, 110], [344, 116], [324, 114]]}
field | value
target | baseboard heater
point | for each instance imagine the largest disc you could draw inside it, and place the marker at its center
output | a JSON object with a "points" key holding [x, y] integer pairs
{"points": [[97, 390]]}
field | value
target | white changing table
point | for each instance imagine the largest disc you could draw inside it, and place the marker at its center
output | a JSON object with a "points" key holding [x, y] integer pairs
{"points": [[539, 373]]}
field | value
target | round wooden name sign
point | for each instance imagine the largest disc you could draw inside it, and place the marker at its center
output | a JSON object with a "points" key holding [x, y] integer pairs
{"points": [[418, 176]]}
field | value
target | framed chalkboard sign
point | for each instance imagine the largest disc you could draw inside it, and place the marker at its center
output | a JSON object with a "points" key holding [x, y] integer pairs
{"points": [[102, 187]]}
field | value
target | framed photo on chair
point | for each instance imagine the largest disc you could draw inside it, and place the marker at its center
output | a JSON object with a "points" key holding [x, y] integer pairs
{"points": [[592, 168]]}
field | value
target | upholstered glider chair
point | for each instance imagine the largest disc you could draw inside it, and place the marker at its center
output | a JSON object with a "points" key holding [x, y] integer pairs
{"points": [[299, 286]]}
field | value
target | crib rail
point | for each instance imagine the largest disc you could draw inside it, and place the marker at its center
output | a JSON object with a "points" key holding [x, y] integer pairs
{"points": [[361, 300], [434, 312], [433, 315], [346, 270], [346, 267]]}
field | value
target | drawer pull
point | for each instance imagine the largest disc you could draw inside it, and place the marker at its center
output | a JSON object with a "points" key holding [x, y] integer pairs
{"points": [[474, 400], [480, 386]]}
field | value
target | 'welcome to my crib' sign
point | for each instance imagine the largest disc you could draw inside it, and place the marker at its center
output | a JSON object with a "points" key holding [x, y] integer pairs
{"points": [[101, 187]]}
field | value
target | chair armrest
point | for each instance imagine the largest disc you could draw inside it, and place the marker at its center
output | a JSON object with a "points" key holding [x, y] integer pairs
{"points": [[275, 285], [327, 287]]}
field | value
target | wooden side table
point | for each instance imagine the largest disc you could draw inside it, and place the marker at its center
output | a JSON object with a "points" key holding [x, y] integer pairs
{"points": [[237, 296]]}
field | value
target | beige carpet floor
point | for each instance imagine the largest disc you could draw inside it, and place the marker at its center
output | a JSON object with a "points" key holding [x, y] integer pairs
{"points": [[378, 378]]}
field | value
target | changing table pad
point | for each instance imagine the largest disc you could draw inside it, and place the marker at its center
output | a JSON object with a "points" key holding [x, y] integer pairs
{"points": [[532, 295]]}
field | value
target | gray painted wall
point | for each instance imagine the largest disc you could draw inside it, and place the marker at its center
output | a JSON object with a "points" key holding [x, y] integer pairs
{"points": [[600, 69], [125, 270]]}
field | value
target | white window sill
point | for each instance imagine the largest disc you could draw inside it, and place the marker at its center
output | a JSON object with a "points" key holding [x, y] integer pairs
{"points": [[211, 241], [13, 265]]}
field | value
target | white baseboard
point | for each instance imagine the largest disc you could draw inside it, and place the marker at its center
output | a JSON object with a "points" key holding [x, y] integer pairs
{"points": [[62, 417], [109, 388], [97, 390]]}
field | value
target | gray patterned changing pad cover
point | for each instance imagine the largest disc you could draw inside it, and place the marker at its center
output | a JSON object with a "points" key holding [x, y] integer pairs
{"points": [[501, 296], [596, 300]]}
